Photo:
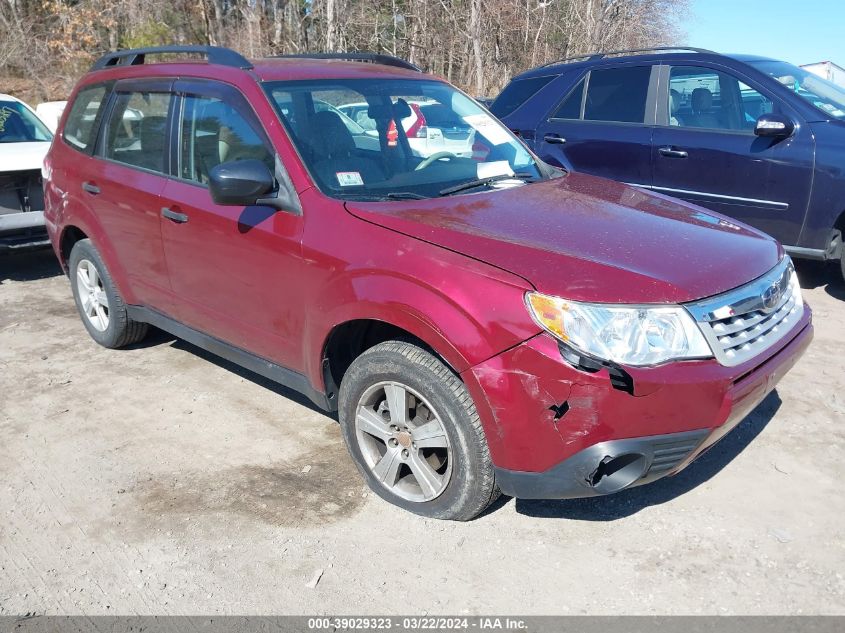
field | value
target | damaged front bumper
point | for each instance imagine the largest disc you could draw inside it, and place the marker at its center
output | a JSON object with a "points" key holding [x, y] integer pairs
{"points": [[559, 432]]}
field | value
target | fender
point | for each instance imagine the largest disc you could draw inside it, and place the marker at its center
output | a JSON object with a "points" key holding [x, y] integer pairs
{"points": [[453, 320]]}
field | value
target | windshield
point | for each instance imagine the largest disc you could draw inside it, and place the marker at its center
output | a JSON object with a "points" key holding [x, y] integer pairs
{"points": [[825, 95], [368, 139], [19, 125]]}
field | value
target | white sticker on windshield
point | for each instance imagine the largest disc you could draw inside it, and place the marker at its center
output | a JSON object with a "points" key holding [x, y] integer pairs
{"points": [[495, 168], [349, 178], [486, 125]]}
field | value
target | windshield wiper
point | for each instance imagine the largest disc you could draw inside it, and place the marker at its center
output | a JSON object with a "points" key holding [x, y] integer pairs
{"points": [[480, 182], [405, 195]]}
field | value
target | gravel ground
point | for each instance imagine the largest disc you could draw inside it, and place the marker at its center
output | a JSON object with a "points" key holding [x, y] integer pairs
{"points": [[160, 480]]}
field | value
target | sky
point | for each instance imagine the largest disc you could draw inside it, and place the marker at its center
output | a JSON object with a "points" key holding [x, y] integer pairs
{"points": [[799, 32]]}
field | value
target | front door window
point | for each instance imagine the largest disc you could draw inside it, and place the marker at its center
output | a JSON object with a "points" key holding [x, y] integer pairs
{"points": [[709, 99]]}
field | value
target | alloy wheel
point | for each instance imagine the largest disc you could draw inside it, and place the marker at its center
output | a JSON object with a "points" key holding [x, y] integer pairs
{"points": [[403, 441], [92, 295]]}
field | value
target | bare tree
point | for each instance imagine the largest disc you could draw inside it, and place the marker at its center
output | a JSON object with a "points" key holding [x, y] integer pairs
{"points": [[477, 44]]}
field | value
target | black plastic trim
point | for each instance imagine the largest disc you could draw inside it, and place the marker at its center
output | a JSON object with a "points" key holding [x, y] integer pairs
{"points": [[833, 251], [575, 477], [619, 378], [256, 364], [654, 49], [372, 58], [137, 56]]}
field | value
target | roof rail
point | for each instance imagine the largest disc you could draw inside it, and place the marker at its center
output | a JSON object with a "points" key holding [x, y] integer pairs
{"points": [[136, 56], [602, 55], [372, 58]]}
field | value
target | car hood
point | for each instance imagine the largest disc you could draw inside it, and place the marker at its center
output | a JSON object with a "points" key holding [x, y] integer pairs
{"points": [[589, 239], [22, 156]]}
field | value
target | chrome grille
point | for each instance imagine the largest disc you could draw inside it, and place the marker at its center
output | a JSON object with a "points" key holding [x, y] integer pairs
{"points": [[746, 321]]}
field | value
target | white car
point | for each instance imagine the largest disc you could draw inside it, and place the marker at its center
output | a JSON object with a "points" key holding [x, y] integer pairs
{"points": [[430, 127], [24, 141], [50, 112]]}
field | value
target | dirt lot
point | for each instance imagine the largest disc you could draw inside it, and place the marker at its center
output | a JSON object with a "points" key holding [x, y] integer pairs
{"points": [[161, 480]]}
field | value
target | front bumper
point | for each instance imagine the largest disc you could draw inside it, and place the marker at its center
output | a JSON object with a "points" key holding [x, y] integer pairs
{"points": [[19, 231], [558, 432]]}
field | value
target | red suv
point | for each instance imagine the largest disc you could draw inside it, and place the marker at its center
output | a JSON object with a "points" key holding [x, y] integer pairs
{"points": [[480, 323]]}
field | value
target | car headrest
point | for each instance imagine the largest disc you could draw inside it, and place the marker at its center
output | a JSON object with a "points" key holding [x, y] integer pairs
{"points": [[701, 100], [152, 132], [399, 110], [331, 138]]}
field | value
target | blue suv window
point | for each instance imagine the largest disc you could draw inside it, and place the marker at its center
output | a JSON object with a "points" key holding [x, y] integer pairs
{"points": [[614, 95], [617, 94], [571, 106], [706, 98], [517, 93]]}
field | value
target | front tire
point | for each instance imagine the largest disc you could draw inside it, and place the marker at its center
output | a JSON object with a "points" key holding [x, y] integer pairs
{"points": [[100, 305], [414, 433]]}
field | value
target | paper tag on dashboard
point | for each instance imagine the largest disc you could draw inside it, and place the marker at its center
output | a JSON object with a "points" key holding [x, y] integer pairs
{"points": [[349, 178], [491, 130], [493, 169]]}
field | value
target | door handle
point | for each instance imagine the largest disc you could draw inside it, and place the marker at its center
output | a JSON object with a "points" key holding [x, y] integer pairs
{"points": [[91, 188], [669, 152], [554, 139], [170, 214]]}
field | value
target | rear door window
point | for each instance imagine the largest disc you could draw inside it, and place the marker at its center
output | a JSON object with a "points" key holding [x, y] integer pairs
{"points": [[617, 94], [136, 132], [83, 120]]}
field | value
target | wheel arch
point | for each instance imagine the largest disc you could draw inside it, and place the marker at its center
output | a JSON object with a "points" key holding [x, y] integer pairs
{"points": [[456, 324], [70, 235], [348, 340], [82, 223]]}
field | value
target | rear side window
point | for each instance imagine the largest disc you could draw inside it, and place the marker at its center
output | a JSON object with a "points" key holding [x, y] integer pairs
{"points": [[617, 94], [516, 93], [136, 131], [571, 106], [83, 120]]}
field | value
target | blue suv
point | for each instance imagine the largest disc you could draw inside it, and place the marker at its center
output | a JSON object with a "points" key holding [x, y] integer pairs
{"points": [[756, 139]]}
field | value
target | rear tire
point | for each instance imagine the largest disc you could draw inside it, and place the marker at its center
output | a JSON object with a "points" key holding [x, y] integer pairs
{"points": [[100, 305], [432, 458]]}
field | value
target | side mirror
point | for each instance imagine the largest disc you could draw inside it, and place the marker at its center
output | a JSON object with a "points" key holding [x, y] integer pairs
{"points": [[774, 126], [240, 182]]}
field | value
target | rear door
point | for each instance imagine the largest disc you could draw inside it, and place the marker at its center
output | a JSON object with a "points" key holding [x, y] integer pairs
{"points": [[603, 126], [706, 152], [235, 269], [124, 186]]}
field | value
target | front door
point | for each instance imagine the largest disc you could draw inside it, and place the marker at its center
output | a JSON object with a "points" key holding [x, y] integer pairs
{"points": [[235, 269], [603, 126], [706, 151]]}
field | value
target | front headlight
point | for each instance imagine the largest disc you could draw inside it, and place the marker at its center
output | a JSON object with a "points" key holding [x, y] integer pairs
{"points": [[795, 289], [637, 335]]}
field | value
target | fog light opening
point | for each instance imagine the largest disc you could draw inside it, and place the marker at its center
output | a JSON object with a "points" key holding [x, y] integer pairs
{"points": [[614, 473]]}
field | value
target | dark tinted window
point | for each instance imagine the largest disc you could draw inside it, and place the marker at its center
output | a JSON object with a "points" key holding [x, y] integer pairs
{"points": [[214, 132], [571, 106], [516, 93], [617, 94], [137, 129], [80, 131]]}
